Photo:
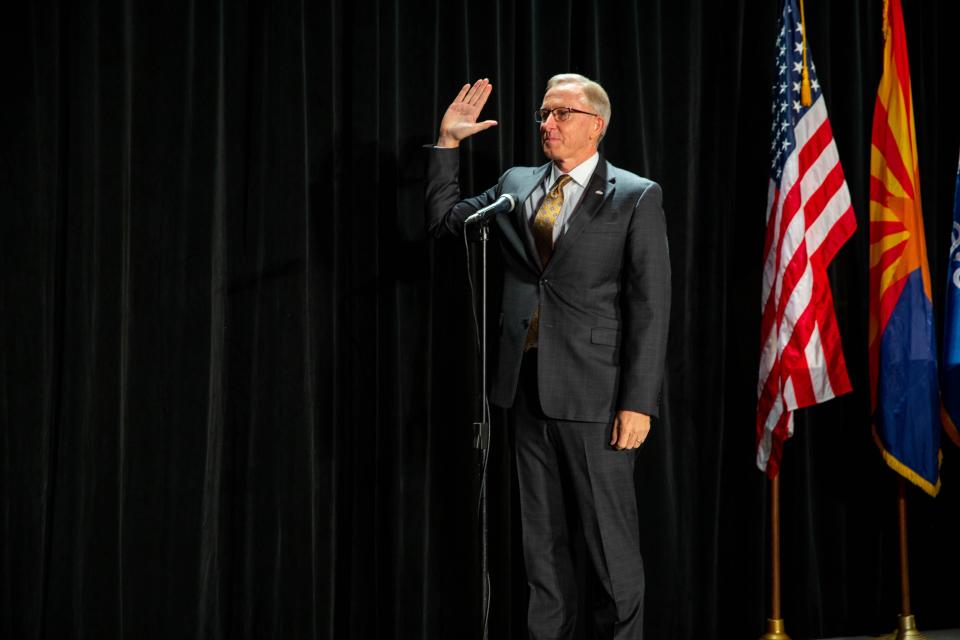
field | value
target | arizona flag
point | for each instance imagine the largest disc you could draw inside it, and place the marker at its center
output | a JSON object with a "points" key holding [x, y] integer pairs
{"points": [[809, 217], [950, 374], [904, 396]]}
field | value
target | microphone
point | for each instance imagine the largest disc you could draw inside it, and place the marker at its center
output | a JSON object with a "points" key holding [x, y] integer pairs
{"points": [[503, 204]]}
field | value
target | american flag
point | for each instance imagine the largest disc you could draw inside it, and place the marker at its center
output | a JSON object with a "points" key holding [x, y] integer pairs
{"points": [[809, 217]]}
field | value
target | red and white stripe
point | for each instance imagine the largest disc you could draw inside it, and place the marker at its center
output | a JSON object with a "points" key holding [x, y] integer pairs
{"points": [[809, 217]]}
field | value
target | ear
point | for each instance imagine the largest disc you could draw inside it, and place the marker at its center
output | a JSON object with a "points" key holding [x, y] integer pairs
{"points": [[598, 124]]}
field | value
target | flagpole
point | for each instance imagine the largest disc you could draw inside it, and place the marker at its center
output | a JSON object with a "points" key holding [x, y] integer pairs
{"points": [[907, 627], [904, 556], [775, 628]]}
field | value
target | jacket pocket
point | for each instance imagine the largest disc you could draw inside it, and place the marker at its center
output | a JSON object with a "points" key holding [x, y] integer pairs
{"points": [[603, 335]]}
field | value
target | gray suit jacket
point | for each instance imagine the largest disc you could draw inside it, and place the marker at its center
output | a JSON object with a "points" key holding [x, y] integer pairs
{"points": [[604, 296]]}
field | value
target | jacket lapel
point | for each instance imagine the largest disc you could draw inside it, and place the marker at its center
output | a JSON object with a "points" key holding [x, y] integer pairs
{"points": [[599, 189], [522, 187]]}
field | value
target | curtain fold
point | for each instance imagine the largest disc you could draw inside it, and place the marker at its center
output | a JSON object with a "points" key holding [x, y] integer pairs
{"points": [[237, 381]]}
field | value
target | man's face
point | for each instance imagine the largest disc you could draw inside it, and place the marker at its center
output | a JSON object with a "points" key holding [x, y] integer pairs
{"points": [[576, 139]]}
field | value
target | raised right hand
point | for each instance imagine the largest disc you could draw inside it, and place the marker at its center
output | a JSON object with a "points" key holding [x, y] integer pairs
{"points": [[460, 120]]}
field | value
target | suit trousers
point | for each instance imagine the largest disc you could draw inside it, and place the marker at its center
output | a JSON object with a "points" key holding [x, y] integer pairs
{"points": [[559, 462]]}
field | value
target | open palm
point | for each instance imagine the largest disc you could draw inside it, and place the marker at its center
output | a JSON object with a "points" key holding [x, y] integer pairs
{"points": [[460, 120]]}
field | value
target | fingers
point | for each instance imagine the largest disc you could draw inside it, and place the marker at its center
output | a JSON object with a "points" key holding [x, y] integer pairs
{"points": [[477, 94], [463, 92], [624, 438], [483, 94], [630, 430], [623, 434], [627, 439]]}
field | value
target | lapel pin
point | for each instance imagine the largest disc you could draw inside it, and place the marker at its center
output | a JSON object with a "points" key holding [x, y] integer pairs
{"points": [[599, 193]]}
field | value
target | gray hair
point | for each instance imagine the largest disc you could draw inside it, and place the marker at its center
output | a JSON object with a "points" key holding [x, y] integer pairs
{"points": [[592, 91]]}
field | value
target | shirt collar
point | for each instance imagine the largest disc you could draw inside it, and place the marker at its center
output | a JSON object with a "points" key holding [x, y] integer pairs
{"points": [[580, 173]]}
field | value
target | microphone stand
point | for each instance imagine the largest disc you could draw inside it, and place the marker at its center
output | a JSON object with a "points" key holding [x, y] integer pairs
{"points": [[481, 439]]}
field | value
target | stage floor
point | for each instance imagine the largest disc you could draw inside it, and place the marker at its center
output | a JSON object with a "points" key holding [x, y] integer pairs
{"points": [[943, 634]]}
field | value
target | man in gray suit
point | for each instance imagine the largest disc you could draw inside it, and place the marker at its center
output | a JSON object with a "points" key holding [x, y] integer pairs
{"points": [[583, 336]]}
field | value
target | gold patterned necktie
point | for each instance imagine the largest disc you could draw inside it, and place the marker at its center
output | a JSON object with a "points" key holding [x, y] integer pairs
{"points": [[543, 224], [546, 217]]}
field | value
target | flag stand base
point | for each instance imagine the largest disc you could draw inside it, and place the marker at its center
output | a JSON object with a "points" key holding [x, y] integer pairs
{"points": [[775, 630], [906, 630]]}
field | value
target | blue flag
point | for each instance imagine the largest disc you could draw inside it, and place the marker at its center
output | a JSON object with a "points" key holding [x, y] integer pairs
{"points": [[950, 371]]}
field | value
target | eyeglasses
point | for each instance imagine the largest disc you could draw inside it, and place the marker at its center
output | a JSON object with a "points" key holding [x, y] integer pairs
{"points": [[560, 114]]}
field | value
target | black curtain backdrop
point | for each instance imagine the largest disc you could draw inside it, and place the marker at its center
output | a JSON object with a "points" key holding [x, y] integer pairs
{"points": [[237, 380]]}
